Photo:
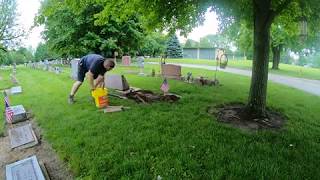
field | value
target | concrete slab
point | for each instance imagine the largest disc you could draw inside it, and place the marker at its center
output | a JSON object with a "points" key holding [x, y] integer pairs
{"points": [[26, 169], [22, 137], [16, 90]]}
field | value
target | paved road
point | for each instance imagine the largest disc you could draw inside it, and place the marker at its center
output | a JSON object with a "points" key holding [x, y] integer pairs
{"points": [[307, 85]]}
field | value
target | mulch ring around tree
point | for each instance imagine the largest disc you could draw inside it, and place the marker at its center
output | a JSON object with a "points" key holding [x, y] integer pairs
{"points": [[235, 115]]}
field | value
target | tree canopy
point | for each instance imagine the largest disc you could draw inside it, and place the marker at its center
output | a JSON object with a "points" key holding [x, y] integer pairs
{"points": [[71, 32]]}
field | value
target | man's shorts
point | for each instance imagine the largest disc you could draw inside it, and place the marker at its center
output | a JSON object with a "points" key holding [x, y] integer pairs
{"points": [[81, 71]]}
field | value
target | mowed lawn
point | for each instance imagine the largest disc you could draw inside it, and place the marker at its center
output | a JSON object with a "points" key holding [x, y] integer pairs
{"points": [[5, 81], [173, 141], [284, 69]]}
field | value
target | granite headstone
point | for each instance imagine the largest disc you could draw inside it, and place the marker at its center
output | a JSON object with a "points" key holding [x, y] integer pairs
{"points": [[74, 68], [116, 81]]}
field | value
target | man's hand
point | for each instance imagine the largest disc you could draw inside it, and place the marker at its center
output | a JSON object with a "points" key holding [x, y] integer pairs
{"points": [[99, 82]]}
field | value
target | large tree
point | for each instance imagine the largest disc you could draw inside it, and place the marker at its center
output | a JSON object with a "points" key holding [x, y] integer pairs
{"points": [[186, 14], [73, 32], [9, 29]]}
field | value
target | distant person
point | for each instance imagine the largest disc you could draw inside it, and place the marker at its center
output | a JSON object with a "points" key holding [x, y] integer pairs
{"points": [[92, 66]]}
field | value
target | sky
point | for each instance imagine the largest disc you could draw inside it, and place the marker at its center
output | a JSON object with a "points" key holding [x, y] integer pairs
{"points": [[27, 10]]}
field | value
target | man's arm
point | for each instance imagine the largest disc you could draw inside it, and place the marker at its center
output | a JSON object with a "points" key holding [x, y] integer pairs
{"points": [[90, 79], [99, 81]]}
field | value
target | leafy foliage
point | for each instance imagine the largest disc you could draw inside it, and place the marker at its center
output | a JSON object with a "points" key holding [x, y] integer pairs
{"points": [[19, 56], [215, 41], [9, 31], [191, 44], [43, 52], [75, 33], [153, 44]]}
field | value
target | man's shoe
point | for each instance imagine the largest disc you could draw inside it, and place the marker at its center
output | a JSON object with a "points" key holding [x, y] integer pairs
{"points": [[71, 99]]}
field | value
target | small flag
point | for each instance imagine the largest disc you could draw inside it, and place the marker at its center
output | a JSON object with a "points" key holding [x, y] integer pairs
{"points": [[6, 100], [165, 86], [9, 113]]}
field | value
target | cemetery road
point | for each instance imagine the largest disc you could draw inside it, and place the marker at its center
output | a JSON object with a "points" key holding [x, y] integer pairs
{"points": [[307, 85]]}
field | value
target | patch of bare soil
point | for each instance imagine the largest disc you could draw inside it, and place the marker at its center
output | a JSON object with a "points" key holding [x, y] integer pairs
{"points": [[236, 115], [57, 170], [147, 96]]}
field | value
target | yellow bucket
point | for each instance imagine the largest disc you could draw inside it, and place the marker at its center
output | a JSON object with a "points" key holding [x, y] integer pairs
{"points": [[100, 96]]}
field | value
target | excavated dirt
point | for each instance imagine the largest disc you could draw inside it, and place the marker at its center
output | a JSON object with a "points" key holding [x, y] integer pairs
{"points": [[57, 170], [236, 115], [146, 96]]}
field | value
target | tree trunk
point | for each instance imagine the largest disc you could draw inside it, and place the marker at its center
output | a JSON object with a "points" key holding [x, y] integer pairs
{"points": [[276, 51], [258, 90]]}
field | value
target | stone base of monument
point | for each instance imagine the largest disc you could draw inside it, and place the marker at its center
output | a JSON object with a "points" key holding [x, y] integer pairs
{"points": [[19, 114], [28, 168], [22, 137], [16, 90]]}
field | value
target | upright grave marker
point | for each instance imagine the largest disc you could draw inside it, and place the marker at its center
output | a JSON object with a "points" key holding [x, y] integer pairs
{"points": [[141, 64], [26, 169], [22, 137], [74, 68], [171, 71], [116, 81], [126, 60]]}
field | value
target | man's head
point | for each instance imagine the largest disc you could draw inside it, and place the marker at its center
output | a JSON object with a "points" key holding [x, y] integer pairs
{"points": [[109, 64]]}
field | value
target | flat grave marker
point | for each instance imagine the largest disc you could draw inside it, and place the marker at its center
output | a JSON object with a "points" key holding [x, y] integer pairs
{"points": [[16, 90], [19, 113], [22, 137], [26, 169]]}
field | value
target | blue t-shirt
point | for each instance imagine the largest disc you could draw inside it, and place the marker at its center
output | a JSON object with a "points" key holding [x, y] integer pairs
{"points": [[94, 63]]}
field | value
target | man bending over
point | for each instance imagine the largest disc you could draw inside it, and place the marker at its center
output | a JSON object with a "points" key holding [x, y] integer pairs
{"points": [[93, 66]]}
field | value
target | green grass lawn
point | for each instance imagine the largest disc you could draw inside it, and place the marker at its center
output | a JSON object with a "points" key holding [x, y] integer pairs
{"points": [[175, 141], [6, 81], [285, 69]]}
